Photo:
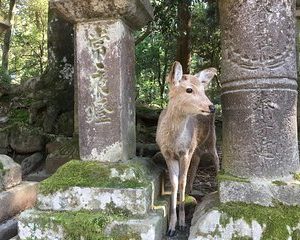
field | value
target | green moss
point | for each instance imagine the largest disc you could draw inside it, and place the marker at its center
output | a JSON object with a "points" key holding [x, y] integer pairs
{"points": [[224, 220], [279, 183], [190, 200], [111, 208], [19, 116], [222, 176], [276, 219], [79, 225], [1, 166], [95, 174]]}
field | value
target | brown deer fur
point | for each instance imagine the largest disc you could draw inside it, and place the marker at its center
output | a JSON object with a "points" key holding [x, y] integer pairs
{"points": [[185, 131]]}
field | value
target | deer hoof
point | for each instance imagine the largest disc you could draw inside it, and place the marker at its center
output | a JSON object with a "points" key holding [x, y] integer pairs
{"points": [[171, 233]]}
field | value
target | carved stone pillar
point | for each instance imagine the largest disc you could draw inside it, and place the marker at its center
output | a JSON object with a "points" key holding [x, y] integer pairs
{"points": [[259, 97], [105, 60]]}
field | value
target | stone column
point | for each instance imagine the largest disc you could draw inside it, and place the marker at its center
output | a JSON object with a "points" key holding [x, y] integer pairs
{"points": [[259, 94], [105, 60]]}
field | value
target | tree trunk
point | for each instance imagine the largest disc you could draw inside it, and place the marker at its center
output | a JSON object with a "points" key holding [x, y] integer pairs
{"points": [[56, 86], [183, 51], [7, 37]]}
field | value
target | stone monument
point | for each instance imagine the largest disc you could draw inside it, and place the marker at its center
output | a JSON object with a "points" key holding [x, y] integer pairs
{"points": [[104, 194], [260, 146]]}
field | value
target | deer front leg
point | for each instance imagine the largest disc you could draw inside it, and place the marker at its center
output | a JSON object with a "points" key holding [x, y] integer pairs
{"points": [[183, 171], [173, 167]]}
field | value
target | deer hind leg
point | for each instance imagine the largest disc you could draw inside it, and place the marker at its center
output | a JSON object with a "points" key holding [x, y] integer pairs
{"points": [[192, 172], [173, 167], [216, 159], [183, 172]]}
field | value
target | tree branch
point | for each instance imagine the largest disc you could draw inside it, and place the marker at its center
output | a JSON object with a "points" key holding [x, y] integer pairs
{"points": [[144, 35]]}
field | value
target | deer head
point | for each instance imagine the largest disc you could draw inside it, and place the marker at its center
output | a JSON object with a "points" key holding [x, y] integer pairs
{"points": [[187, 92]]}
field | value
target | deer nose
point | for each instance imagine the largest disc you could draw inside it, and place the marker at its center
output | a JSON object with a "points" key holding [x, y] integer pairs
{"points": [[212, 109]]}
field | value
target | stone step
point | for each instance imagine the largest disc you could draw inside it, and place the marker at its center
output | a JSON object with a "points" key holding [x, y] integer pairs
{"points": [[17, 199], [87, 225], [129, 187], [8, 229]]}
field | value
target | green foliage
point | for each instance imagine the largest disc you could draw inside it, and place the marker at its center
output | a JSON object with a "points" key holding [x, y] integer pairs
{"points": [[19, 116], [156, 53], [28, 50], [276, 219], [93, 174], [4, 77]]}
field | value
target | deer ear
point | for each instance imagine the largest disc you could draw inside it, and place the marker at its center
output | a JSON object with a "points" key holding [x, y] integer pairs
{"points": [[206, 75], [175, 74]]}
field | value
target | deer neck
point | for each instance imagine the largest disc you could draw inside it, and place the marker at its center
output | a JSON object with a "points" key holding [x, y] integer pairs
{"points": [[176, 119]]}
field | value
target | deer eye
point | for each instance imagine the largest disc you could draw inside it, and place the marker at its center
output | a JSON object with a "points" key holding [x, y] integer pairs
{"points": [[189, 90]]}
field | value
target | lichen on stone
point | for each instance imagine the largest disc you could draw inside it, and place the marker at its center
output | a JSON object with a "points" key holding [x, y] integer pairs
{"points": [[297, 176], [94, 174], [279, 183]]}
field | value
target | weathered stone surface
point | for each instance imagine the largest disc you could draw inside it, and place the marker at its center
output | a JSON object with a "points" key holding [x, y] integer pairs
{"points": [[24, 140], [4, 138], [61, 153], [8, 229], [134, 201], [151, 227], [10, 172], [136, 13], [210, 223], [259, 88], [65, 124], [31, 163], [105, 71], [17, 199], [132, 188], [262, 192]]}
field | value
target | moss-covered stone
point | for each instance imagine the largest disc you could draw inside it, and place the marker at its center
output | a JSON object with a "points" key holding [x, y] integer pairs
{"points": [[241, 238], [77, 225], [275, 219], [297, 176], [95, 174], [222, 176], [1, 166], [19, 116]]}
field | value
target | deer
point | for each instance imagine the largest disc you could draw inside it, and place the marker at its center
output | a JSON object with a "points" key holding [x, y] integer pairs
{"points": [[185, 131]]}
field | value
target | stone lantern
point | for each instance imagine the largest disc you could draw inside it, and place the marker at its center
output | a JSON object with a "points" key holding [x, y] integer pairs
{"points": [[105, 61]]}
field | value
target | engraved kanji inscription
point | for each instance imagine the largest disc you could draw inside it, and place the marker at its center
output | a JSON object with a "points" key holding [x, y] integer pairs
{"points": [[99, 112]]}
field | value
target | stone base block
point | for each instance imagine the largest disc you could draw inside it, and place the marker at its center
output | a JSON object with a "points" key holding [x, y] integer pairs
{"points": [[10, 172], [226, 221], [130, 187], [84, 225], [135, 201], [17, 199], [8, 229], [260, 191]]}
